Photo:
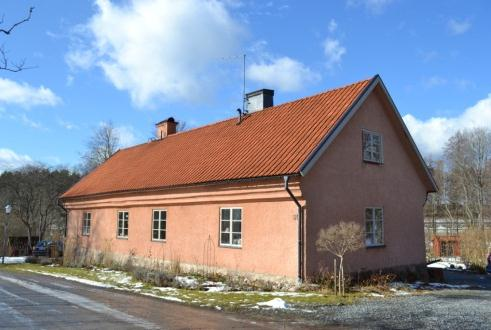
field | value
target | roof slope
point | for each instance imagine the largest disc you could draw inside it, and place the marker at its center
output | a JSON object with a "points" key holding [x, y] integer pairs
{"points": [[272, 142]]}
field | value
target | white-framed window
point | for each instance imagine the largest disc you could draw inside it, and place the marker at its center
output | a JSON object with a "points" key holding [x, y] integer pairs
{"points": [[87, 216], [372, 147], [159, 225], [231, 226], [123, 218], [374, 226]]}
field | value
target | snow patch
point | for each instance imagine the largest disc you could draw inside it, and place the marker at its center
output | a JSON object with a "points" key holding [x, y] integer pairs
{"points": [[400, 292], [373, 294], [74, 279], [187, 281], [274, 303], [14, 260]]}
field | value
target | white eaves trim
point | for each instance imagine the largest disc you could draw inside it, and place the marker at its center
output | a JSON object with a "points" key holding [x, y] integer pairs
{"points": [[333, 133]]}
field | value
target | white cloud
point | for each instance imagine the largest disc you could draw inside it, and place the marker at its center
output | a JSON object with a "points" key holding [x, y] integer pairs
{"points": [[24, 95], [283, 73], [127, 136], [9, 160], [374, 6], [457, 27], [332, 26], [80, 59], [159, 49], [434, 81], [334, 52], [66, 124], [432, 134], [29, 122]]}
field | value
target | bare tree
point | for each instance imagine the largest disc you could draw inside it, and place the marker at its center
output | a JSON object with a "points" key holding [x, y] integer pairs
{"points": [[102, 145], [469, 157], [5, 63], [340, 239], [33, 192]]}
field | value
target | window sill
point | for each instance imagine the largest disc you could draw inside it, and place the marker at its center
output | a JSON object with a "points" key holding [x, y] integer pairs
{"points": [[230, 246], [122, 237], [373, 162], [375, 246], [159, 240], [85, 235]]}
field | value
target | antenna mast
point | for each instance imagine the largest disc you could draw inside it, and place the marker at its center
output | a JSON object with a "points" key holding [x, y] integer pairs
{"points": [[244, 100]]}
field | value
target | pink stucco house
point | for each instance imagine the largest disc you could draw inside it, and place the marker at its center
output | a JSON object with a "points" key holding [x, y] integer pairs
{"points": [[249, 194]]}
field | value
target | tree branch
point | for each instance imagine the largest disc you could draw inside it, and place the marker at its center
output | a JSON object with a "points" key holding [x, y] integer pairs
{"points": [[8, 31]]}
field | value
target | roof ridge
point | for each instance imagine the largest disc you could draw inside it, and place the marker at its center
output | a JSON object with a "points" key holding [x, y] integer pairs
{"points": [[250, 114]]}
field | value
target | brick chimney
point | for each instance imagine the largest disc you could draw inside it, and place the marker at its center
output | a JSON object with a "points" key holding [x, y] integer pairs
{"points": [[166, 127]]}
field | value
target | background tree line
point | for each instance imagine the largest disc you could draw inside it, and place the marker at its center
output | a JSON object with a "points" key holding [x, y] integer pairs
{"points": [[463, 175]]}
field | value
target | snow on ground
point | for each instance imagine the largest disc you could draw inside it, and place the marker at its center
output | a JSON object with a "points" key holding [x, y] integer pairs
{"points": [[437, 286], [75, 279], [211, 286], [447, 265], [187, 281], [274, 303], [399, 292], [378, 295], [14, 260]]}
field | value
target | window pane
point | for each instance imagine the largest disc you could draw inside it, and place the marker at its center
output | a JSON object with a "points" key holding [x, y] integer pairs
{"points": [[368, 214], [236, 239], [120, 224], [120, 232], [237, 226], [378, 214], [156, 224], [120, 215], [236, 214], [163, 225], [162, 234], [225, 226], [225, 239], [369, 227], [369, 239], [125, 232], [379, 238], [163, 215], [126, 215], [155, 215], [225, 214], [155, 234]]}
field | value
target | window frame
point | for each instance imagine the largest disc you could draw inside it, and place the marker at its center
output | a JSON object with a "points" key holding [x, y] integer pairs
{"points": [[86, 223], [372, 133], [230, 245], [373, 220], [123, 228], [159, 229]]}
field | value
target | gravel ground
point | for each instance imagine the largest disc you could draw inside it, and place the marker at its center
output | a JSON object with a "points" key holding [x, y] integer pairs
{"points": [[445, 309], [438, 309]]}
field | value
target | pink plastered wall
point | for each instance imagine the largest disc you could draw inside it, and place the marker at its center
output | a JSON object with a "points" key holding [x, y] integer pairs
{"points": [[269, 227], [340, 186]]}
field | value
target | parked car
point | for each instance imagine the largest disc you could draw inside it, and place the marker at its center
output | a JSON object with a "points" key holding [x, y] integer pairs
{"points": [[48, 249]]}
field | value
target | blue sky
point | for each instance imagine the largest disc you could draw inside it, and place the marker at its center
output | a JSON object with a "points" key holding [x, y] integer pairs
{"points": [[137, 62]]}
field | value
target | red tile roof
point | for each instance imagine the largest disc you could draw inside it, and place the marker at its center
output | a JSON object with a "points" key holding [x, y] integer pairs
{"points": [[272, 142]]}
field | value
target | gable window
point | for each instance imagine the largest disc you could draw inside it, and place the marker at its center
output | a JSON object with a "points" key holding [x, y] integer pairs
{"points": [[123, 217], [86, 223], [374, 226], [159, 225], [372, 147], [231, 226]]}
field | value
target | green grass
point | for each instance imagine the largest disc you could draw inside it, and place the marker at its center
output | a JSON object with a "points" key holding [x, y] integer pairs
{"points": [[231, 300]]}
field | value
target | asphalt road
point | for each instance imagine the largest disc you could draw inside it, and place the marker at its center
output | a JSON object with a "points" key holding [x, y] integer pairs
{"points": [[31, 301]]}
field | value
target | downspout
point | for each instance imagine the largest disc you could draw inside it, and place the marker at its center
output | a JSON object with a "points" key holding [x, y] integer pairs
{"points": [[60, 204], [286, 178]]}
